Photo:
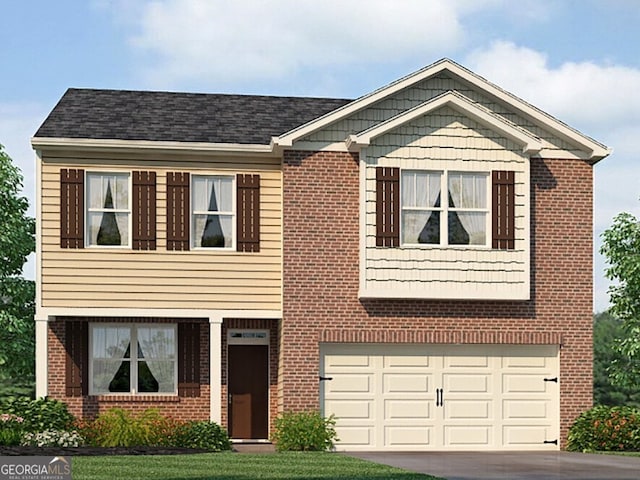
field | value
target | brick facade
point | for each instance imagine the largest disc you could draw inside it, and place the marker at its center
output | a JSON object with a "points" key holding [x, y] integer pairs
{"points": [[181, 408], [321, 273]]}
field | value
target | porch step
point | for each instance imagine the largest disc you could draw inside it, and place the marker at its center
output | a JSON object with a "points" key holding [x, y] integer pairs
{"points": [[254, 447]]}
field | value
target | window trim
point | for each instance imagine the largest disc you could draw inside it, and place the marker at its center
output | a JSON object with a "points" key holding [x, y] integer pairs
{"points": [[233, 213], [87, 208], [133, 328], [444, 209]]}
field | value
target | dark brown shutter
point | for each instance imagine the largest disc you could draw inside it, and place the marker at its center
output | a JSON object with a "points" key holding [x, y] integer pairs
{"points": [[189, 359], [504, 212], [77, 359], [144, 210], [71, 208], [387, 207], [178, 211], [248, 217]]}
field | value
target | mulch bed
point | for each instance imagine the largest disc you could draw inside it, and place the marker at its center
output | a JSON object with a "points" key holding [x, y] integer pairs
{"points": [[91, 451]]}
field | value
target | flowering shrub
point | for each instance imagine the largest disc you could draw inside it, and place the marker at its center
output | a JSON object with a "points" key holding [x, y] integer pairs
{"points": [[11, 428], [604, 428], [52, 438], [39, 415]]}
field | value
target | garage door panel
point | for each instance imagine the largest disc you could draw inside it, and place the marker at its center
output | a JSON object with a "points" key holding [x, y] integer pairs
{"points": [[406, 361], [398, 383], [465, 436], [524, 383], [337, 361], [519, 409], [347, 410], [467, 409], [407, 436], [530, 436], [466, 361], [349, 384], [414, 410], [470, 383], [355, 436]]}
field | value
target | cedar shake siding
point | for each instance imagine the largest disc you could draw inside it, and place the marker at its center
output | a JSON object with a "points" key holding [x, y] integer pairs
{"points": [[322, 306], [161, 269]]}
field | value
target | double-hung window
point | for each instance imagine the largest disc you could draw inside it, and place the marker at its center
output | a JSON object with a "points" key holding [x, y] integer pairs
{"points": [[213, 216], [444, 208], [108, 209], [133, 359]]}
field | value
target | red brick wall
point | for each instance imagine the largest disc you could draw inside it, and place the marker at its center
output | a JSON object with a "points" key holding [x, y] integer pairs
{"points": [[321, 262], [182, 408]]}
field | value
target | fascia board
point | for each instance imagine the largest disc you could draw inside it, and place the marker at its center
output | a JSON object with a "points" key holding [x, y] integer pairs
{"points": [[53, 143], [458, 102]]}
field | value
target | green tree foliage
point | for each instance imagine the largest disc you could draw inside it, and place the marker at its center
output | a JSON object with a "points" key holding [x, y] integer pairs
{"points": [[606, 330], [17, 241], [621, 247]]}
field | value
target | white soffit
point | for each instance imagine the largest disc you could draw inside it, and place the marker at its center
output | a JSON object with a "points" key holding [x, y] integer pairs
{"points": [[595, 151], [461, 104]]}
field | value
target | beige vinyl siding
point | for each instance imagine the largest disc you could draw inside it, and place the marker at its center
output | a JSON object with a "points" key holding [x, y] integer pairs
{"points": [[446, 140], [196, 279], [418, 94]]}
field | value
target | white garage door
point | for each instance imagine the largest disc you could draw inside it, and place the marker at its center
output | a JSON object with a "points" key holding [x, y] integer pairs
{"points": [[441, 397]]}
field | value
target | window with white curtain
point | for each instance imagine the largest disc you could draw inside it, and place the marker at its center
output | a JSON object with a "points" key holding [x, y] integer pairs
{"points": [[213, 212], [108, 209], [457, 217], [133, 359]]}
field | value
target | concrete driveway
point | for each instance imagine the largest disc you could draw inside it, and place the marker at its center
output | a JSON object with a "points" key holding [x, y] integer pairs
{"points": [[512, 465]]}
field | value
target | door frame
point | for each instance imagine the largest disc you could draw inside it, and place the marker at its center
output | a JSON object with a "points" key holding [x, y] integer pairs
{"points": [[249, 336]]}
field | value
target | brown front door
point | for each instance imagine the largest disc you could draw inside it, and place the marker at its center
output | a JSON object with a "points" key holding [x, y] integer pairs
{"points": [[248, 391]]}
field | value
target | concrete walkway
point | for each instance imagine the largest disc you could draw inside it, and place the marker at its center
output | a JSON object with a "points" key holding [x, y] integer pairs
{"points": [[512, 465]]}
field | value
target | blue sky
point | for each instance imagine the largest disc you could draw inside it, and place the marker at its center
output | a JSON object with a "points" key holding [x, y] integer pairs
{"points": [[576, 59]]}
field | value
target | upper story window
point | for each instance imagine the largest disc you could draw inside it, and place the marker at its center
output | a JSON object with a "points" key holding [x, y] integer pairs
{"points": [[444, 208], [133, 359], [212, 211], [108, 209]]}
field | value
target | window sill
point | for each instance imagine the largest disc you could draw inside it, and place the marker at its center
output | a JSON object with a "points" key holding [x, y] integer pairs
{"points": [[169, 398]]}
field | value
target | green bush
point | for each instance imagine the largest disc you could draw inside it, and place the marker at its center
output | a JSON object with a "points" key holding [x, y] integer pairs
{"points": [[604, 428], [120, 428], [304, 431], [201, 434], [39, 415], [52, 438], [11, 429]]}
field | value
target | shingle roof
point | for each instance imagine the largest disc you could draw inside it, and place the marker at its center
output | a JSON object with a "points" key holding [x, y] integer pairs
{"points": [[179, 117]]}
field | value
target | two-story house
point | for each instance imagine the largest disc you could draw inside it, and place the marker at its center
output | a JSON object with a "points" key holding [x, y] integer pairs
{"points": [[417, 262]]}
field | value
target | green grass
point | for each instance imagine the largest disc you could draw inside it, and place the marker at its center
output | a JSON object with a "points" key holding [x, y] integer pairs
{"points": [[290, 465]]}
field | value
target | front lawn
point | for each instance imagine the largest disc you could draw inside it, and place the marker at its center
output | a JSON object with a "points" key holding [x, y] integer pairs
{"points": [[290, 465]]}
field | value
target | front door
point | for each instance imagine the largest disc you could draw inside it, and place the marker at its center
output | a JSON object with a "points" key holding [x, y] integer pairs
{"points": [[248, 391]]}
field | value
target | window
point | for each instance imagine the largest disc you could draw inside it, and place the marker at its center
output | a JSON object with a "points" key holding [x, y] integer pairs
{"points": [[149, 367], [425, 208], [108, 209], [213, 213]]}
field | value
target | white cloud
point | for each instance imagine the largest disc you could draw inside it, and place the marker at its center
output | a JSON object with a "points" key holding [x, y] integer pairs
{"points": [[213, 40]]}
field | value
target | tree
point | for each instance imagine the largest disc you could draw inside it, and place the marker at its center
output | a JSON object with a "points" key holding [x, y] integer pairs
{"points": [[606, 330], [621, 247], [17, 305]]}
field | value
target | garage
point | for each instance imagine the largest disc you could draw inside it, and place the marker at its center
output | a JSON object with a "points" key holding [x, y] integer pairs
{"points": [[441, 397]]}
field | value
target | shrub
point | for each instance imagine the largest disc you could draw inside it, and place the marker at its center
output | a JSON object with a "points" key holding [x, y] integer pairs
{"points": [[52, 438], [120, 428], [202, 434], [304, 431], [604, 428], [39, 415], [11, 429]]}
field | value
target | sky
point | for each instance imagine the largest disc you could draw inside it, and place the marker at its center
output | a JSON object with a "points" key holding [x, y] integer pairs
{"points": [[576, 59]]}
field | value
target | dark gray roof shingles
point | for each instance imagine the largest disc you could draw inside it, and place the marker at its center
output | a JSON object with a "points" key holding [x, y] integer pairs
{"points": [[179, 117]]}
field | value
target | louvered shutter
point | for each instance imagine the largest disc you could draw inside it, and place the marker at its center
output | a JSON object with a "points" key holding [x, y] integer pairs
{"points": [[71, 208], [387, 207], [189, 359], [248, 213], [77, 359], [144, 210], [177, 211], [503, 186]]}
